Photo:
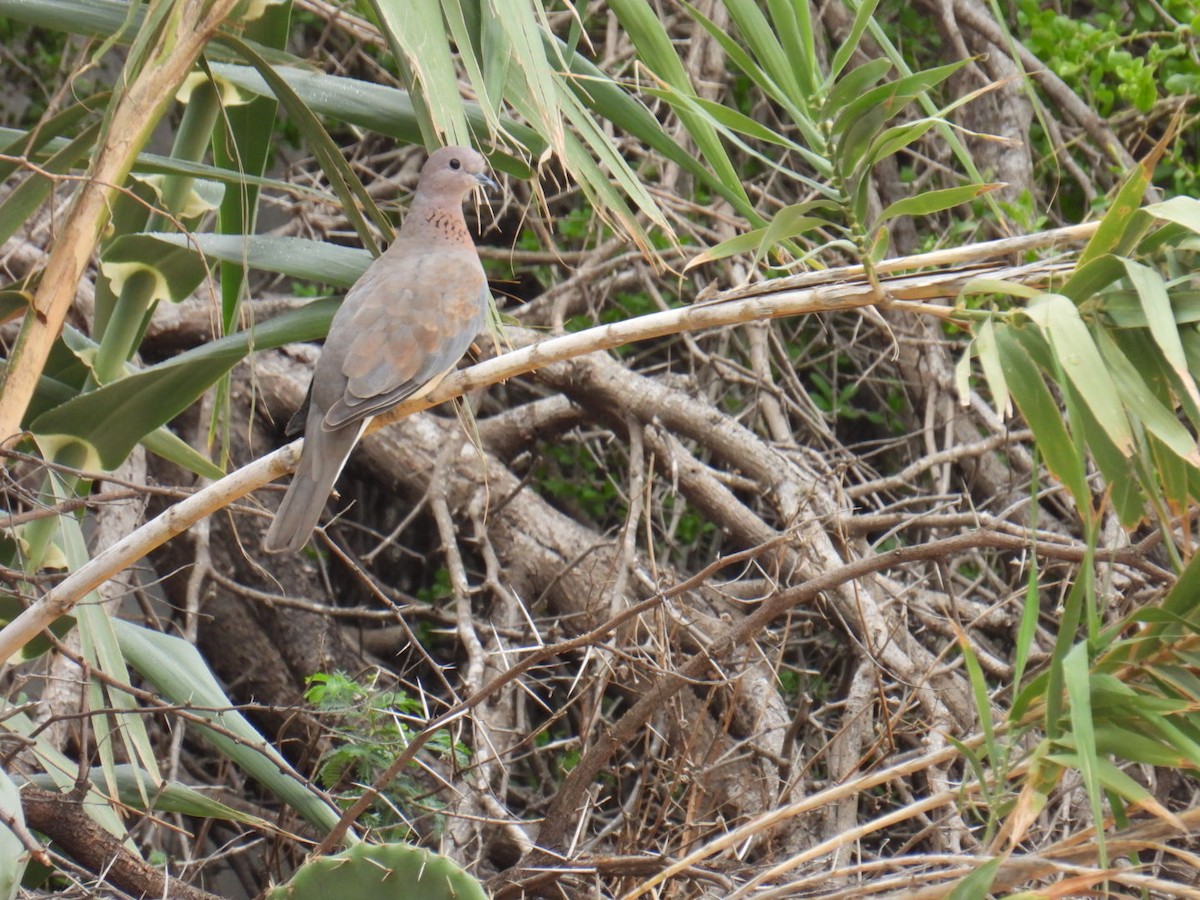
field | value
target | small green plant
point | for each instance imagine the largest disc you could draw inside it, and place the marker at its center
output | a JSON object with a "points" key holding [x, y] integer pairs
{"points": [[373, 726], [572, 475]]}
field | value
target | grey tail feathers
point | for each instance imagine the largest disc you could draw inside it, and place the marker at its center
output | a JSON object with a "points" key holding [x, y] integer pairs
{"points": [[321, 461]]}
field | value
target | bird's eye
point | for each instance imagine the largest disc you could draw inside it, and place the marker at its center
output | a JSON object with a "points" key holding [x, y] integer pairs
{"points": [[455, 164]]}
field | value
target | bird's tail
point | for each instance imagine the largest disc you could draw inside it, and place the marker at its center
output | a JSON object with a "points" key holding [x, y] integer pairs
{"points": [[321, 461]]}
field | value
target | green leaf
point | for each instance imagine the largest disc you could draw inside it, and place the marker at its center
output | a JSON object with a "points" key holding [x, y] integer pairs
{"points": [[740, 59], [135, 787], [1141, 403], [22, 200], [342, 179], [656, 51], [1075, 679], [177, 671], [786, 225], [600, 94], [12, 606], [1076, 353], [124, 731], [170, 446], [761, 37], [1125, 308], [890, 98], [113, 418], [1152, 293], [1181, 598], [849, 43], [979, 882], [993, 369], [893, 140], [1124, 223], [64, 771], [416, 35], [1183, 211], [1063, 456], [315, 261], [793, 24], [13, 855], [176, 270], [1091, 278], [853, 85], [936, 201], [1123, 474]]}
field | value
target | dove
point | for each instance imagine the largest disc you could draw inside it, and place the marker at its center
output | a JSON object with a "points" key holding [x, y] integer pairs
{"points": [[402, 327]]}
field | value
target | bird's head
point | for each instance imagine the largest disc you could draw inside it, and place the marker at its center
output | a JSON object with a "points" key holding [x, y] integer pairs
{"points": [[453, 172]]}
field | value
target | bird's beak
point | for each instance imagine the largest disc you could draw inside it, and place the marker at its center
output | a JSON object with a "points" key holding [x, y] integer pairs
{"points": [[486, 181]]}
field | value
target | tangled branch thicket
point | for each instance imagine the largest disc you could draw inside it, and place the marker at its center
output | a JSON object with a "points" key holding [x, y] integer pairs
{"points": [[692, 612]]}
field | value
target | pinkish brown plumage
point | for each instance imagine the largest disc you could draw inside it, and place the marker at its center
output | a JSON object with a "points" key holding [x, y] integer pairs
{"points": [[402, 327]]}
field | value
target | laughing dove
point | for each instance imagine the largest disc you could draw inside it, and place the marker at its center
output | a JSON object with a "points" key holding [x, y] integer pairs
{"points": [[402, 327]]}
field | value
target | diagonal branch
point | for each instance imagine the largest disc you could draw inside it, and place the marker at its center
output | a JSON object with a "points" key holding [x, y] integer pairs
{"points": [[908, 292]]}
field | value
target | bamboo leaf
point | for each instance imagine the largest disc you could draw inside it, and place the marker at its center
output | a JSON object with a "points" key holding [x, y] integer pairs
{"points": [[1141, 403], [656, 51], [993, 369], [1183, 211], [1091, 278], [1076, 353], [416, 35], [537, 62], [849, 43], [856, 82], [929, 202], [978, 883], [762, 39], [1152, 293], [1075, 679], [1124, 223], [1058, 448]]}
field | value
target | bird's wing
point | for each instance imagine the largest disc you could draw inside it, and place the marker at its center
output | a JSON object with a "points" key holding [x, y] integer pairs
{"points": [[414, 318]]}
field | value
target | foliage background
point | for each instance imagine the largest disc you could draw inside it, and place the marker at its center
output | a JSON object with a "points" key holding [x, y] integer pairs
{"points": [[886, 589]]}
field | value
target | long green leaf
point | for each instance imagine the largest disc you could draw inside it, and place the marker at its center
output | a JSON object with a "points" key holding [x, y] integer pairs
{"points": [[315, 261], [1057, 446], [414, 31], [993, 370], [13, 856], [1076, 353], [134, 788], [853, 85], [1124, 222], [656, 51], [27, 196], [1183, 211], [930, 202], [177, 671], [849, 43], [341, 177], [115, 417], [1139, 400], [99, 646], [1076, 679], [1152, 292], [978, 883], [762, 38]]}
